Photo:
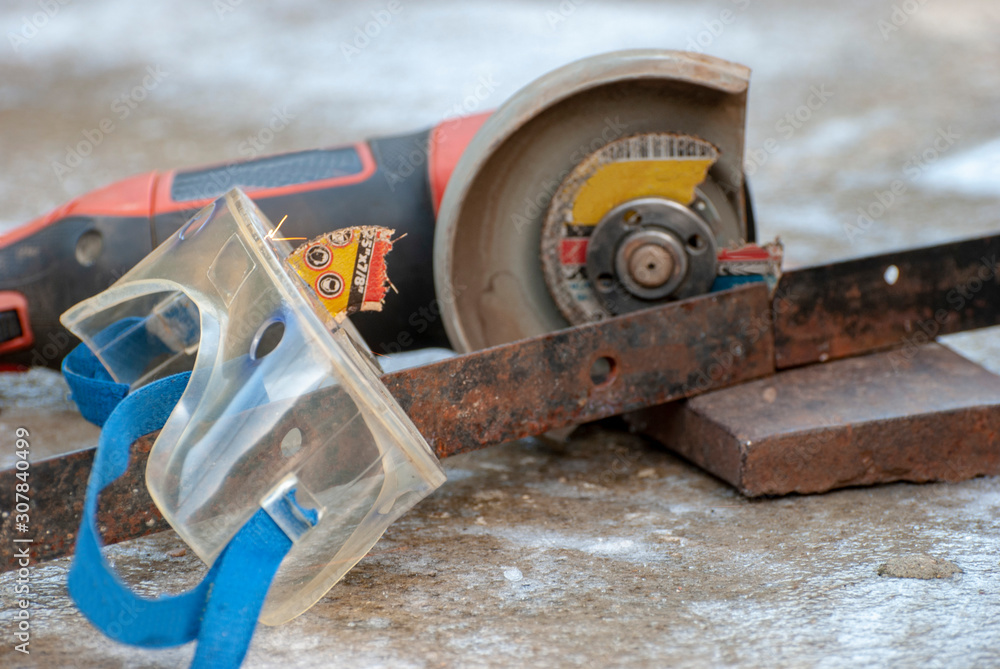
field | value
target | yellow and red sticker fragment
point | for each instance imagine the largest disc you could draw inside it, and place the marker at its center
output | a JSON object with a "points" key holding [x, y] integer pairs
{"points": [[346, 268]]}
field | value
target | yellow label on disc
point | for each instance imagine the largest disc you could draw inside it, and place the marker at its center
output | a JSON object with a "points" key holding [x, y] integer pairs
{"points": [[617, 182]]}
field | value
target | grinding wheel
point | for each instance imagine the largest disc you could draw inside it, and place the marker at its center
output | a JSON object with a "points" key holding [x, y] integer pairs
{"points": [[606, 186]]}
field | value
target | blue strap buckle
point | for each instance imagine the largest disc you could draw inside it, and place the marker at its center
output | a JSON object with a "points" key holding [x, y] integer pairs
{"points": [[285, 507]]}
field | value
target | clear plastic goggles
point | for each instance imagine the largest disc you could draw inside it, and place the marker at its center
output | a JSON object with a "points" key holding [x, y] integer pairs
{"points": [[284, 409]]}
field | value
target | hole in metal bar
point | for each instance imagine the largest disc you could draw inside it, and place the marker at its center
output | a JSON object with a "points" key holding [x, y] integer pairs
{"points": [[602, 371]]}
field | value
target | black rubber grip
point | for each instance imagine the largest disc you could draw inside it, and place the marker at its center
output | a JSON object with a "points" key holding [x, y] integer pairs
{"points": [[288, 169]]}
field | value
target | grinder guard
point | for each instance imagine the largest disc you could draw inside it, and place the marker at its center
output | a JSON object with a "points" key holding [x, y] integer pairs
{"points": [[301, 427]]}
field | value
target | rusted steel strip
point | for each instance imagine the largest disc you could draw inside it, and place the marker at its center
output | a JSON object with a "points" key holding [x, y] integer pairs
{"points": [[652, 357], [59, 486], [471, 401], [543, 383], [900, 299]]}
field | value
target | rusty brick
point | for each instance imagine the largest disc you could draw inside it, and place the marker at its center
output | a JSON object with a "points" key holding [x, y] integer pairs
{"points": [[925, 414]]}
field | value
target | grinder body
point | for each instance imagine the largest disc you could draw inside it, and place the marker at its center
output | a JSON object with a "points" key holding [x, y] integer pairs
{"points": [[81, 248]]}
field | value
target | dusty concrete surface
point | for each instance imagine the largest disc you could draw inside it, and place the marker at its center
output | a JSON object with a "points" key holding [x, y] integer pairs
{"points": [[610, 552], [607, 551]]}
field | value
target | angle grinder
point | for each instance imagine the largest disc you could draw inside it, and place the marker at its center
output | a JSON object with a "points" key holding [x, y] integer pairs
{"points": [[612, 184]]}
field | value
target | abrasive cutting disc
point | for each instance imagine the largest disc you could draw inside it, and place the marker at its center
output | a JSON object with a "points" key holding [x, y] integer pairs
{"points": [[563, 154], [650, 165]]}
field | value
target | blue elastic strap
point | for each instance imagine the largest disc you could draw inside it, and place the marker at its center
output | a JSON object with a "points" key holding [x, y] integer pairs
{"points": [[96, 394], [220, 612]]}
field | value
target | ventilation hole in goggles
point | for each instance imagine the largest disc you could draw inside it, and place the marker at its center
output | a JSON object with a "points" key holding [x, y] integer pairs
{"points": [[267, 339], [291, 442], [198, 221]]}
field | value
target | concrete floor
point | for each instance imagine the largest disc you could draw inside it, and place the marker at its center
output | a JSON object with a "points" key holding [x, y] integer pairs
{"points": [[607, 550], [610, 552]]}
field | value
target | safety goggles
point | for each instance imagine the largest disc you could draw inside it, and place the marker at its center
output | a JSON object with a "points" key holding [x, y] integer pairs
{"points": [[283, 409]]}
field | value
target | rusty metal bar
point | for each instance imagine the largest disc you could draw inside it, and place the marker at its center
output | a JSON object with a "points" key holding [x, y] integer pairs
{"points": [[59, 486], [899, 299], [475, 400], [543, 383]]}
